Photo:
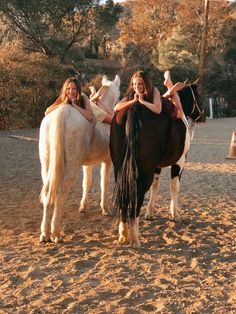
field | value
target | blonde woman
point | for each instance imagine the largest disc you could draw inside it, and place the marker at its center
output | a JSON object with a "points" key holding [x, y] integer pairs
{"points": [[71, 94]]}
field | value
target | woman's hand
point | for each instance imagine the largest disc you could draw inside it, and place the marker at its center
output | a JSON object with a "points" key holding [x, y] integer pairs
{"points": [[136, 97], [73, 102], [155, 106], [140, 98]]}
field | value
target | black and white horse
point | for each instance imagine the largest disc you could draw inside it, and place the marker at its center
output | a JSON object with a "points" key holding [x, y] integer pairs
{"points": [[141, 143]]}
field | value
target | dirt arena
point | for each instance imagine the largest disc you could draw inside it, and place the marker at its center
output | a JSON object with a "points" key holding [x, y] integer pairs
{"points": [[181, 268]]}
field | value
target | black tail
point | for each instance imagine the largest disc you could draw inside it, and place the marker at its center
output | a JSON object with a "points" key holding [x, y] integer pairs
{"points": [[126, 191]]}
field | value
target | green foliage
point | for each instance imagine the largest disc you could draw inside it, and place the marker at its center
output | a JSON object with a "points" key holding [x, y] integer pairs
{"points": [[135, 55], [108, 14], [103, 20], [48, 26], [221, 83], [175, 52], [221, 76]]}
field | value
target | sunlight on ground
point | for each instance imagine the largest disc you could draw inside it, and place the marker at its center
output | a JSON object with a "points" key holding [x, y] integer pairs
{"points": [[221, 168]]}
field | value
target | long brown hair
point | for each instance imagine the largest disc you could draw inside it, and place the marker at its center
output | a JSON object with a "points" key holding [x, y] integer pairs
{"points": [[148, 86], [62, 97]]}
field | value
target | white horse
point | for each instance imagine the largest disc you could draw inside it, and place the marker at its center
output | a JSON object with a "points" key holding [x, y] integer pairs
{"points": [[68, 141]]}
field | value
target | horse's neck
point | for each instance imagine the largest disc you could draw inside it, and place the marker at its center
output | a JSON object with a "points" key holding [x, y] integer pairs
{"points": [[106, 104], [187, 104]]}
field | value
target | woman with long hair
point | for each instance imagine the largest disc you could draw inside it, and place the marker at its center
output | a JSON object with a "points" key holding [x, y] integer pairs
{"points": [[71, 94], [142, 91]]}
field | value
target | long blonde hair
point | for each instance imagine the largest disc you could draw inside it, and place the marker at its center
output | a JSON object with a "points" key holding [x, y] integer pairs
{"points": [[62, 97]]}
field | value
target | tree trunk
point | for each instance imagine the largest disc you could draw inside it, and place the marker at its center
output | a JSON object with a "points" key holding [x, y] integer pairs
{"points": [[202, 59]]}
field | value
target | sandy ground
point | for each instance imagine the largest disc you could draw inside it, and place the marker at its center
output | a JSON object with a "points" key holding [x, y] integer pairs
{"points": [[181, 268]]}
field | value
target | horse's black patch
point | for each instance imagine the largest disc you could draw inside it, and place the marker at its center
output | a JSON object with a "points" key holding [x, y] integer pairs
{"points": [[175, 171], [157, 171]]}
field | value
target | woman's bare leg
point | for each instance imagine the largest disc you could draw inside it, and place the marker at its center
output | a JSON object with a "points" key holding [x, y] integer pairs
{"points": [[172, 92], [168, 82], [108, 119]]}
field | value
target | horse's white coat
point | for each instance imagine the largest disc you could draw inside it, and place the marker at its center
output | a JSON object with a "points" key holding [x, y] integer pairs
{"points": [[66, 142]]}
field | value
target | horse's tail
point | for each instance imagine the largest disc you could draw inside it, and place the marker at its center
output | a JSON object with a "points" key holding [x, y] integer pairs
{"points": [[126, 191], [56, 160]]}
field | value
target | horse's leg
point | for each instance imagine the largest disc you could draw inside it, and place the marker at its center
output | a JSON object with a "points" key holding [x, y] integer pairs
{"points": [[134, 223], [176, 171], [87, 181], [149, 215], [134, 233], [130, 232], [105, 173], [143, 184], [56, 218], [59, 204], [45, 225], [123, 232]]}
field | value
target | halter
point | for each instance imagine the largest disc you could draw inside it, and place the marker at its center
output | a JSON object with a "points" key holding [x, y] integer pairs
{"points": [[195, 105]]}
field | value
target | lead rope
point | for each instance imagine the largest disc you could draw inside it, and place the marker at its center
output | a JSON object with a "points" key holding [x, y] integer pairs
{"points": [[190, 124], [191, 128]]}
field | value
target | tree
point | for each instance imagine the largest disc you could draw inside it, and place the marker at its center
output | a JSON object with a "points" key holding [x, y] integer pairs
{"points": [[202, 56], [148, 23], [41, 23], [190, 19], [103, 17], [221, 77], [174, 52]]}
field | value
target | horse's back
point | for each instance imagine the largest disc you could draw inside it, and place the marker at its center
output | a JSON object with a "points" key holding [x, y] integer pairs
{"points": [[160, 142], [163, 137], [77, 131]]}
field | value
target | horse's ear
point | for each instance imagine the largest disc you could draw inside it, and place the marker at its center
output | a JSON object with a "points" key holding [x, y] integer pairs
{"points": [[185, 82], [92, 91], [117, 80], [196, 82], [104, 80]]}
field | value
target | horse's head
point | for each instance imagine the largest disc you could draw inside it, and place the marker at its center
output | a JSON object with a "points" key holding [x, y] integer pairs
{"points": [[192, 103], [109, 93]]}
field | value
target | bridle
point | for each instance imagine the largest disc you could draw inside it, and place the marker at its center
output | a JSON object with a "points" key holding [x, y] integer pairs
{"points": [[195, 106]]}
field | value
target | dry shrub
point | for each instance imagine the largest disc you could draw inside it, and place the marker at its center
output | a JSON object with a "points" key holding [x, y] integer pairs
{"points": [[29, 83], [96, 82]]}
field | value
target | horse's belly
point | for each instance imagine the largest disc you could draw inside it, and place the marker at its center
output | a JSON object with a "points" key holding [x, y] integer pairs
{"points": [[99, 148], [176, 149], [97, 154]]}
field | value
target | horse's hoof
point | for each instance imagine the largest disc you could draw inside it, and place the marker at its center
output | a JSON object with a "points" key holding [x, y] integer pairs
{"points": [[136, 245], [43, 238], [57, 240], [81, 210], [105, 212], [122, 239], [149, 216], [177, 219]]}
